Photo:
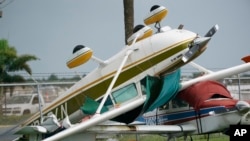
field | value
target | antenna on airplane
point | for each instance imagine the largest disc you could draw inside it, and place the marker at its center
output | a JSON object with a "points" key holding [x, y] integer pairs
{"points": [[157, 13]]}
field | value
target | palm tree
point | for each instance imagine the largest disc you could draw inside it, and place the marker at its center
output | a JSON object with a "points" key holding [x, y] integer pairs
{"points": [[128, 6], [11, 62]]}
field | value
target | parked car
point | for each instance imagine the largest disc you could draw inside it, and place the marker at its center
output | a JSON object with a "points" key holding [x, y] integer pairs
{"points": [[22, 104]]}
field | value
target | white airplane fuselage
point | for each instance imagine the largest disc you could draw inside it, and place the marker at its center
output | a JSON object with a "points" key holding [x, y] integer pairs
{"points": [[159, 53]]}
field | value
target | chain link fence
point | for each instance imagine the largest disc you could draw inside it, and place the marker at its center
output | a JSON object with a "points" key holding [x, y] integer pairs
{"points": [[24, 94]]}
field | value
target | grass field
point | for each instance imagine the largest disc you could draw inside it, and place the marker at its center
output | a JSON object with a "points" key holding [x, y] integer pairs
{"points": [[12, 120]]}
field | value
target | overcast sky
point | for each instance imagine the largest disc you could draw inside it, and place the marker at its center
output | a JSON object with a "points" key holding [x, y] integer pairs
{"points": [[50, 29]]}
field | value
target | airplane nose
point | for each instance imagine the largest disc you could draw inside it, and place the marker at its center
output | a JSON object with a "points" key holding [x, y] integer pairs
{"points": [[202, 41], [198, 45]]}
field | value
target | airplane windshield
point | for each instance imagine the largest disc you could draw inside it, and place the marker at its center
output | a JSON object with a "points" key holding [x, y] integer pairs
{"points": [[126, 93], [122, 95], [175, 103]]}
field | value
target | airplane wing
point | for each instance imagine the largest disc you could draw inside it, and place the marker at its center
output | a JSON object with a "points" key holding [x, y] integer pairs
{"points": [[142, 129], [115, 129], [90, 133]]}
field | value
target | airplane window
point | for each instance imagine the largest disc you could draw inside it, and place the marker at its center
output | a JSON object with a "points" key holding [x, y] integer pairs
{"points": [[126, 93], [107, 103], [178, 103], [35, 100]]}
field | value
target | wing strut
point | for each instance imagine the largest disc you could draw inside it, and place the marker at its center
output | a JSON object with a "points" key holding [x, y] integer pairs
{"points": [[98, 111], [200, 68], [129, 51]]}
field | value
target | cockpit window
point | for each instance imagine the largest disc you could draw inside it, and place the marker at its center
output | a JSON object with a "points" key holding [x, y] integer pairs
{"points": [[174, 103], [178, 103], [121, 95], [126, 93]]}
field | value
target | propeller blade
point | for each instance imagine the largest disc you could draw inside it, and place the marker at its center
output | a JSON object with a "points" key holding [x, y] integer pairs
{"points": [[212, 31]]}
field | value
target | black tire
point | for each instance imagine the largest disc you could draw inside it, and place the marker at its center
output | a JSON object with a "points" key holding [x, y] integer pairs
{"points": [[26, 112]]}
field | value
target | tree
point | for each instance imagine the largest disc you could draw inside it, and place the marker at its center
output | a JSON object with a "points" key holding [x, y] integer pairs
{"points": [[128, 6], [10, 61], [53, 77]]}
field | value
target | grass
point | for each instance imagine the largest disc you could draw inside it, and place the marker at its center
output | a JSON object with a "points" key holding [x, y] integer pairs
{"points": [[12, 120], [213, 137]]}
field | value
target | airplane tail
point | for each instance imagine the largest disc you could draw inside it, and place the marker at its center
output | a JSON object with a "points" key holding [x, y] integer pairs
{"points": [[246, 59]]}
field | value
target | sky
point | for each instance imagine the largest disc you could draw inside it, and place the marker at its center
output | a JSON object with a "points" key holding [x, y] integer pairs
{"points": [[50, 29]]}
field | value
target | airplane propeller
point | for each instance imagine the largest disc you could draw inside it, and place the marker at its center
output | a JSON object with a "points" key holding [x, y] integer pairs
{"points": [[212, 31], [200, 41], [195, 47]]}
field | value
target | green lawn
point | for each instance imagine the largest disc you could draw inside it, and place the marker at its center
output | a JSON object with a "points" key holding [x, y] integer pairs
{"points": [[12, 120]]}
